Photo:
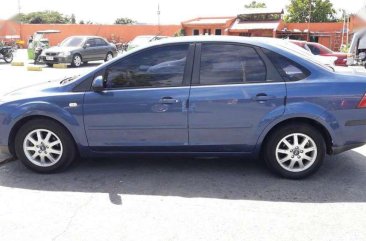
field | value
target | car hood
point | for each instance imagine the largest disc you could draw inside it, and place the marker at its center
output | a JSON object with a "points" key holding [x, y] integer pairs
{"points": [[32, 91], [58, 49]]}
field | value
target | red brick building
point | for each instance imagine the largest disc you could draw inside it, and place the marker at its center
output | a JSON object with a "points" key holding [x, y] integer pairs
{"points": [[264, 22]]}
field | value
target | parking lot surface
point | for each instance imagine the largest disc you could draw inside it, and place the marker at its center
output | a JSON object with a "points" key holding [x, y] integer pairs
{"points": [[173, 198]]}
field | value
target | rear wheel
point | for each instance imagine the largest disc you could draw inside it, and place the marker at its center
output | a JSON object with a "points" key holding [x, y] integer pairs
{"points": [[49, 65], [44, 146], [108, 57], [295, 151]]}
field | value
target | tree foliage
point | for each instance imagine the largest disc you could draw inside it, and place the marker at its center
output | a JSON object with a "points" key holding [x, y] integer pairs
{"points": [[124, 21], [43, 17], [255, 4], [321, 11]]}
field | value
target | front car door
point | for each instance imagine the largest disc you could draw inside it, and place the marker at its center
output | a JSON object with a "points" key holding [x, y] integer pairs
{"points": [[234, 94], [144, 101], [90, 48]]}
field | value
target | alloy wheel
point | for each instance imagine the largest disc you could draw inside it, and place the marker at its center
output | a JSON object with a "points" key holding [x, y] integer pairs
{"points": [[43, 147]]}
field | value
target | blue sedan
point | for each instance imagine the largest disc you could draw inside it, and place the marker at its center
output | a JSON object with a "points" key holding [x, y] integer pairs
{"points": [[191, 95]]}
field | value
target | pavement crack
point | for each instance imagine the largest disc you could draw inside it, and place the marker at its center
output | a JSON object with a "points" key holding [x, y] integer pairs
{"points": [[72, 218]]}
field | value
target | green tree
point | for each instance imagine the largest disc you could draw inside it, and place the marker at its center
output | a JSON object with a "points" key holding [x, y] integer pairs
{"points": [[124, 21], [42, 17], [319, 10], [255, 4], [73, 19]]}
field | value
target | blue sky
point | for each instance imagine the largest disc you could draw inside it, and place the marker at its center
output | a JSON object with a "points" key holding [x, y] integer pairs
{"points": [[172, 11]]}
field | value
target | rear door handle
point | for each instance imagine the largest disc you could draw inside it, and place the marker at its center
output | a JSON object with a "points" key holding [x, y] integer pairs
{"points": [[168, 100]]}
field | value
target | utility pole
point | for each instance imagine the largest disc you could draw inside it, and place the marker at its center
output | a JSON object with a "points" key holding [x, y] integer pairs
{"points": [[158, 12], [20, 20], [310, 8]]}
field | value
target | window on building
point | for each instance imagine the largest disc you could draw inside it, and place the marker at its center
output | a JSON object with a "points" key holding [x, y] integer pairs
{"points": [[230, 64], [196, 32], [218, 32], [157, 67], [245, 34], [288, 69], [207, 32]]}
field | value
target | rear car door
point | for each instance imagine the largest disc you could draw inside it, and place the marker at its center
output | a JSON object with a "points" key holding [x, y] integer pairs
{"points": [[102, 48], [235, 92], [143, 106]]}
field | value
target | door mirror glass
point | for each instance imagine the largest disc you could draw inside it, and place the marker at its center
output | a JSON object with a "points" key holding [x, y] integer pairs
{"points": [[98, 84]]}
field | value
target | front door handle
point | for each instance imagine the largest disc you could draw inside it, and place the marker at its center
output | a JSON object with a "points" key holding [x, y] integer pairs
{"points": [[262, 97], [168, 100]]}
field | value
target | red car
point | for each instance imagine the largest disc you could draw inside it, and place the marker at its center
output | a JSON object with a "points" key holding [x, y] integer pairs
{"points": [[318, 49]]}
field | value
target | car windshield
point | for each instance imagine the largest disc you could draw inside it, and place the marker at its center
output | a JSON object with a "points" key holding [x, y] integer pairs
{"points": [[72, 42], [323, 48], [68, 79], [141, 40]]}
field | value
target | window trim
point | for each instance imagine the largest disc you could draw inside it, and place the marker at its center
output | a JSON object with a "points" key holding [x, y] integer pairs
{"points": [[197, 65], [186, 74]]}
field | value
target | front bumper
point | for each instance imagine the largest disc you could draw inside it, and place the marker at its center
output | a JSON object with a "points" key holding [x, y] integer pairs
{"points": [[57, 60]]}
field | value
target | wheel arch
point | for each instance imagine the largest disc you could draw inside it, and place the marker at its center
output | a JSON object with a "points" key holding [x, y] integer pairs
{"points": [[14, 130], [312, 122]]}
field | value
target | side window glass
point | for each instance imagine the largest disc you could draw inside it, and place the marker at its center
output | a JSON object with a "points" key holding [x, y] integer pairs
{"points": [[91, 42], [288, 69], [156, 67], [230, 64]]}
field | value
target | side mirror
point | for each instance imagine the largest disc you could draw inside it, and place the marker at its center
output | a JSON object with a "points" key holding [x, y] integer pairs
{"points": [[86, 46], [98, 84]]}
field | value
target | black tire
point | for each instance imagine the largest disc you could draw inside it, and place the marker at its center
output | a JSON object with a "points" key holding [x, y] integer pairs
{"points": [[274, 140], [49, 65], [9, 58], [68, 145], [107, 57], [75, 61]]}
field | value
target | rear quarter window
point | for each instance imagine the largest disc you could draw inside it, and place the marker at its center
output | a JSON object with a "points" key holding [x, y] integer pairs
{"points": [[288, 69]]}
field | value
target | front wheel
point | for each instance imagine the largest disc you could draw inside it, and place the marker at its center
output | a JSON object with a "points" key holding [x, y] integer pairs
{"points": [[295, 151], [44, 146], [9, 57], [76, 60]]}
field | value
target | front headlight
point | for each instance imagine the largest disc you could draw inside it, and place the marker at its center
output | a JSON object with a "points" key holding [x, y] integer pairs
{"points": [[64, 54]]}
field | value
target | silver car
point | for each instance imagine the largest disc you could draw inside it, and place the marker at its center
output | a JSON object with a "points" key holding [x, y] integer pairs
{"points": [[77, 50]]}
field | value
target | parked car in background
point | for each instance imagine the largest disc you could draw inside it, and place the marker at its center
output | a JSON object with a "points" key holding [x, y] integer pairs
{"points": [[320, 50], [191, 95], [144, 40], [301, 48], [77, 50]]}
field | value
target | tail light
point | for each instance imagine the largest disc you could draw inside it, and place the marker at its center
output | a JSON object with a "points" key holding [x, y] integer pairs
{"points": [[362, 103]]}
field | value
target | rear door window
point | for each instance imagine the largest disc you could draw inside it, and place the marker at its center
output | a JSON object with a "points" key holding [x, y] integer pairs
{"points": [[230, 64]]}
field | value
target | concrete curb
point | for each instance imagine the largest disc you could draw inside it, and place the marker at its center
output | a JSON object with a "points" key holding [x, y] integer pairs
{"points": [[34, 68], [4, 158], [17, 63], [60, 66]]}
